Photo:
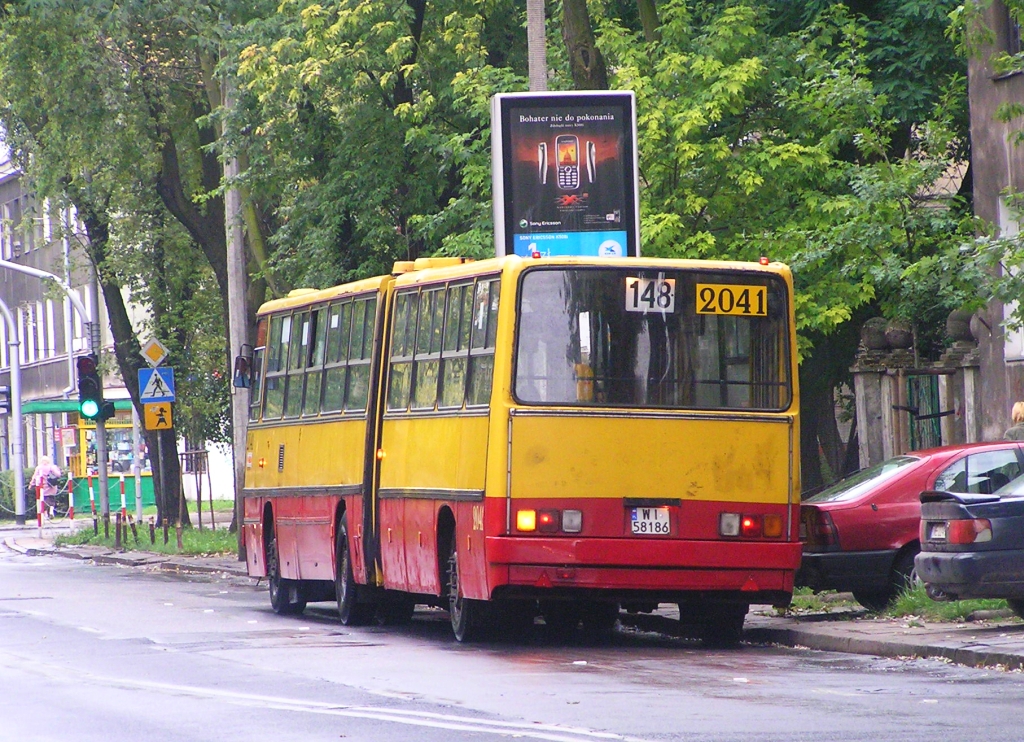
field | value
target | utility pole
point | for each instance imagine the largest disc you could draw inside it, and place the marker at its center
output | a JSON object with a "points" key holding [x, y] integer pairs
{"points": [[93, 329], [238, 333], [16, 430], [536, 46]]}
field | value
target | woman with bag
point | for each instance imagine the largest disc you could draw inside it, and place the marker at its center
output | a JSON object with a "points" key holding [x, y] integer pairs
{"points": [[47, 476]]}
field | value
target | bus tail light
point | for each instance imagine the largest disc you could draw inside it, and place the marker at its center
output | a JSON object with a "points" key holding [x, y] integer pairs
{"points": [[572, 521], [750, 526], [547, 521], [526, 520], [729, 524]]}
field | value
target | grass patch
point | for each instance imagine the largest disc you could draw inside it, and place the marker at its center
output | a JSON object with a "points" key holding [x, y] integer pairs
{"points": [[915, 602], [806, 600], [194, 541]]}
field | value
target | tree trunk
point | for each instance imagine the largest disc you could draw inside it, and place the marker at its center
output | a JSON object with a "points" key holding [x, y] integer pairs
{"points": [[649, 19], [128, 354], [585, 60]]}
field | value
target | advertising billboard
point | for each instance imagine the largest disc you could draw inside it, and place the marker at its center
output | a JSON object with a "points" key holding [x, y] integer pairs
{"points": [[565, 174]]}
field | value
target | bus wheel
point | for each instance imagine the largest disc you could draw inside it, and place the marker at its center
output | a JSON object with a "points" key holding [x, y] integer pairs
{"points": [[722, 625], [285, 597], [599, 620], [466, 614], [350, 610]]}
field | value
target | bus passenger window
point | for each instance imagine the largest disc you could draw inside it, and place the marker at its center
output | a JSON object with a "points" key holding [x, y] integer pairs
{"points": [[455, 346], [280, 329], [339, 318], [297, 359], [358, 388], [311, 405], [402, 346], [481, 354], [428, 349]]}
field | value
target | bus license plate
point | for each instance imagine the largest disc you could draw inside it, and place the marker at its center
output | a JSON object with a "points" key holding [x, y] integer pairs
{"points": [[650, 521]]}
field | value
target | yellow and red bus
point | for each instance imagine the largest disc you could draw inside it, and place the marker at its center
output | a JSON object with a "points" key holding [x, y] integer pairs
{"points": [[516, 437]]}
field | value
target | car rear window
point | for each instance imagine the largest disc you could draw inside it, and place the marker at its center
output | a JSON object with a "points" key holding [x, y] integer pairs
{"points": [[866, 479]]}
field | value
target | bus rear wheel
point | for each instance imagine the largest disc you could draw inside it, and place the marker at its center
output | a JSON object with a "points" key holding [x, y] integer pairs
{"points": [[467, 615], [285, 597], [350, 610]]}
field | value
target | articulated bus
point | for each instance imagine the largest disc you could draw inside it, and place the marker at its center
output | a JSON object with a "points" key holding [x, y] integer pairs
{"points": [[515, 438]]}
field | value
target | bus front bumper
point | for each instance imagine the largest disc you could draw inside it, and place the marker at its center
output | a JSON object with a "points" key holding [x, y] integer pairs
{"points": [[759, 571]]}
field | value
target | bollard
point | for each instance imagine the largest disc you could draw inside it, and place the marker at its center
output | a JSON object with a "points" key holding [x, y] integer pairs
{"points": [[92, 506], [117, 532], [135, 531], [71, 496], [167, 525], [39, 508], [106, 525], [177, 531], [124, 507], [152, 531]]}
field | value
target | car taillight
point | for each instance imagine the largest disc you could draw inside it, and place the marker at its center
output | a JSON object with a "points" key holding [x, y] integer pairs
{"points": [[820, 528], [974, 531]]}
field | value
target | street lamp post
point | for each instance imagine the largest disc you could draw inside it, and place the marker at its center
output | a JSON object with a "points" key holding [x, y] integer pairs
{"points": [[93, 328]]}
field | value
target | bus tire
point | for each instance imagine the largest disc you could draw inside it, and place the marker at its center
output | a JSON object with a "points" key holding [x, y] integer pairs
{"points": [[467, 615], [285, 597], [722, 625], [346, 590]]}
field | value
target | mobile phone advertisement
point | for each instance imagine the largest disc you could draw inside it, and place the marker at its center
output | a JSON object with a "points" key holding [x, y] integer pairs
{"points": [[565, 174]]}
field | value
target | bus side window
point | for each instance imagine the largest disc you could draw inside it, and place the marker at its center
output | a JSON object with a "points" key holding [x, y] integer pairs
{"points": [[277, 353], [402, 347], [427, 360], [298, 357], [358, 387], [314, 376], [338, 319], [481, 354], [455, 346]]}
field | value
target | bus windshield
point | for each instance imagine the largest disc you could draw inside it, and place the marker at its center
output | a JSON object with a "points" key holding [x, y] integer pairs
{"points": [[635, 337]]}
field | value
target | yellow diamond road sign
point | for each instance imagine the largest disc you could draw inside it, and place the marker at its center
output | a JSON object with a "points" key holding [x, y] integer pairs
{"points": [[158, 416], [154, 352]]}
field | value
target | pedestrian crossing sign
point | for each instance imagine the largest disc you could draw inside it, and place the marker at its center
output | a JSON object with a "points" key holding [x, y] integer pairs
{"points": [[158, 416], [156, 384]]}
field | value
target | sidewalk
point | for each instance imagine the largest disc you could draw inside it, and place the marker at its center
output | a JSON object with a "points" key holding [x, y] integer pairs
{"points": [[996, 642]]}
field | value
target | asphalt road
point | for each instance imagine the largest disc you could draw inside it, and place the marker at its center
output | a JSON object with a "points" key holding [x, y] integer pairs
{"points": [[111, 653]]}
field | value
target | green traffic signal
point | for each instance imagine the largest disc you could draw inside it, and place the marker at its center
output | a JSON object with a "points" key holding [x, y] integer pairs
{"points": [[90, 388], [89, 409]]}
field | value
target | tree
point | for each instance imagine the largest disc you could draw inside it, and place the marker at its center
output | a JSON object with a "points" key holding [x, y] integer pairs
{"points": [[105, 106]]}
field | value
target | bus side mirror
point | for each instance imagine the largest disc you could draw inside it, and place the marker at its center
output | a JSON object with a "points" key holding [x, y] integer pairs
{"points": [[242, 376]]}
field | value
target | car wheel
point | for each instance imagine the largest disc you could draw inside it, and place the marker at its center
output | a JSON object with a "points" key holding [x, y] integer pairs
{"points": [[904, 573], [873, 600], [1016, 605]]}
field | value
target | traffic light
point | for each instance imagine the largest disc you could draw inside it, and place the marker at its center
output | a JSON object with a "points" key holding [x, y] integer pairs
{"points": [[90, 388], [5, 400]]}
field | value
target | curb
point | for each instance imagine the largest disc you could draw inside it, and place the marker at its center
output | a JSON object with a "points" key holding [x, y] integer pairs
{"points": [[795, 637]]}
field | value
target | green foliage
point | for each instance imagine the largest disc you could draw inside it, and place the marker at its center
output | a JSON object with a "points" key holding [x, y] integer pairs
{"points": [[194, 542], [916, 603]]}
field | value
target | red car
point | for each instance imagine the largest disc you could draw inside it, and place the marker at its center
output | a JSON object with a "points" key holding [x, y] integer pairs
{"points": [[861, 533]]}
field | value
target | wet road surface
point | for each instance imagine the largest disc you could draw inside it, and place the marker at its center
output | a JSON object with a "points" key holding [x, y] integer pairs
{"points": [[110, 653]]}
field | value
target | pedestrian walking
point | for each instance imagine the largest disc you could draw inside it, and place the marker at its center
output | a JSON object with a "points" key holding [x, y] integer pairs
{"points": [[1016, 431], [47, 476]]}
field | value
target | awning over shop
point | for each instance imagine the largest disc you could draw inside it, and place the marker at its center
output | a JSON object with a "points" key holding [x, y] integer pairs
{"points": [[43, 406]]}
